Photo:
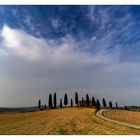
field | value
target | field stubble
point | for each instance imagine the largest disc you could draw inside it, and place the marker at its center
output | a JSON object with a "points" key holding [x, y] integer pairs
{"points": [[132, 117], [60, 121]]}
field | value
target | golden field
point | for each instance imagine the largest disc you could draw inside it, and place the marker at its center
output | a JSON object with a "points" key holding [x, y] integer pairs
{"points": [[60, 121], [123, 115]]}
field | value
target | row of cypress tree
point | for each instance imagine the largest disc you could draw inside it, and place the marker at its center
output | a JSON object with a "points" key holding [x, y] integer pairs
{"points": [[52, 102]]}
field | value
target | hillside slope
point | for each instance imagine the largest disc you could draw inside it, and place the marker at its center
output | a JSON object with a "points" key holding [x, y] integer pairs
{"points": [[60, 121], [123, 115]]}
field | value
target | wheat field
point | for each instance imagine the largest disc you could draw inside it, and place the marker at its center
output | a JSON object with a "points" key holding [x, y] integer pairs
{"points": [[67, 121], [123, 115]]}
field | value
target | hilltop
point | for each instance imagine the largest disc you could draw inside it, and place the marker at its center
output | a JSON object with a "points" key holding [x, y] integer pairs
{"points": [[60, 121]]}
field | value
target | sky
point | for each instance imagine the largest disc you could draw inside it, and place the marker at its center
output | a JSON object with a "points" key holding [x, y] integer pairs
{"points": [[63, 49]]}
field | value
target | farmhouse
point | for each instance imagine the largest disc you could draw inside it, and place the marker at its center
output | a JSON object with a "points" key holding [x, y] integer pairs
{"points": [[82, 103]]}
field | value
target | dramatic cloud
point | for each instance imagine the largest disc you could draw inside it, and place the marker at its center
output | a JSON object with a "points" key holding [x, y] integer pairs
{"points": [[63, 54]]}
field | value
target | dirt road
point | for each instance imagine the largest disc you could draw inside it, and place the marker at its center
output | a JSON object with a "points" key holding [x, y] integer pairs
{"points": [[68, 121], [100, 115]]}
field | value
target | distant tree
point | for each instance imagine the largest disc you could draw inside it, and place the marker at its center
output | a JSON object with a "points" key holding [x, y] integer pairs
{"points": [[71, 102], [87, 100], [98, 104], [76, 98], [45, 106], [93, 102], [116, 105], [104, 102], [55, 100], [110, 104], [39, 104], [61, 103], [126, 108], [83, 102], [65, 99], [50, 101]]}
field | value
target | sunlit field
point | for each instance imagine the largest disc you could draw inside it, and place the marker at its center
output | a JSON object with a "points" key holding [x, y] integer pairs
{"points": [[123, 115], [60, 121]]}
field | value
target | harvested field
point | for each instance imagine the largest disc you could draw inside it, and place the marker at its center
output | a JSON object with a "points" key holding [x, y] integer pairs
{"points": [[132, 117], [60, 121]]}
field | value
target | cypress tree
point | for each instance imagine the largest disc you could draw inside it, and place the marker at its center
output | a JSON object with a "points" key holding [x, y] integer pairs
{"points": [[76, 98], [65, 99], [110, 104], [116, 105], [83, 102], [71, 102], [87, 100], [50, 101], [104, 102], [39, 104], [93, 102], [45, 106], [55, 100], [61, 103], [98, 104]]}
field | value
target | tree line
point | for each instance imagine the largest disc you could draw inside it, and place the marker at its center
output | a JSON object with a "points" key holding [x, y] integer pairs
{"points": [[52, 102]]}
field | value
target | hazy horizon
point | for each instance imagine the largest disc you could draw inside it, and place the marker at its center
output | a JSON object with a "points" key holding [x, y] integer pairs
{"points": [[64, 49]]}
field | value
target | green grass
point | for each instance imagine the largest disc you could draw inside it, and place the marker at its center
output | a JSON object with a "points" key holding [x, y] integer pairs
{"points": [[62, 131]]}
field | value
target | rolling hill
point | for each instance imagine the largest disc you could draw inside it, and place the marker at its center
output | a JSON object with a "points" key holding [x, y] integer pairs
{"points": [[60, 121]]}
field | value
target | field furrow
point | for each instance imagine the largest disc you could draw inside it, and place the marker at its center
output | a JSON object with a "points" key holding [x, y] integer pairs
{"points": [[60, 121]]}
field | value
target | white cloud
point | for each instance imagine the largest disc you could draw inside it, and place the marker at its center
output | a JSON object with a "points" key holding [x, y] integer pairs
{"points": [[93, 38], [22, 44], [56, 23], [34, 67], [18, 42]]}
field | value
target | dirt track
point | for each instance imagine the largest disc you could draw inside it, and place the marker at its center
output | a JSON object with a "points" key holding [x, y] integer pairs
{"points": [[60, 121], [102, 114]]}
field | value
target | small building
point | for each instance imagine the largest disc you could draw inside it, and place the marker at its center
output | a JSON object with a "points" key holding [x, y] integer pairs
{"points": [[83, 103]]}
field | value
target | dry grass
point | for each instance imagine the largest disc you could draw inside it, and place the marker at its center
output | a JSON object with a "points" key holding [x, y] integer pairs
{"points": [[60, 121], [123, 115]]}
